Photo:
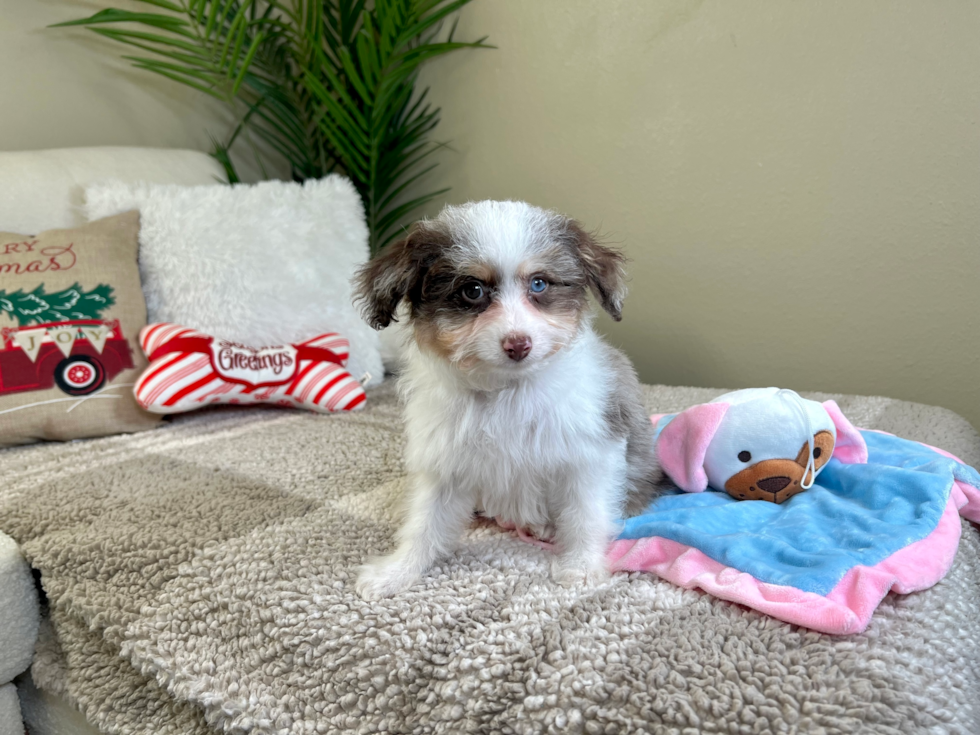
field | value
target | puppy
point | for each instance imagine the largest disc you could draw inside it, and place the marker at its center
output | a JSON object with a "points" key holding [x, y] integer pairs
{"points": [[513, 403]]}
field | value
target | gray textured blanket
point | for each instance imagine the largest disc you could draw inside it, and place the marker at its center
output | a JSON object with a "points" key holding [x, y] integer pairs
{"points": [[199, 579]]}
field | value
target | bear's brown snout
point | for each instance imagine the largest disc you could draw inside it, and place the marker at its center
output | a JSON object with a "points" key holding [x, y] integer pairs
{"points": [[777, 480], [773, 484]]}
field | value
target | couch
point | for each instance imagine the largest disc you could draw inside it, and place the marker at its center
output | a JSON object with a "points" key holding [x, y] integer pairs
{"points": [[43, 190], [198, 579]]}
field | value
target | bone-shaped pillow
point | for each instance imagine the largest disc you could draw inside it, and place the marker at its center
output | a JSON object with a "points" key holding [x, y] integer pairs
{"points": [[190, 370]]}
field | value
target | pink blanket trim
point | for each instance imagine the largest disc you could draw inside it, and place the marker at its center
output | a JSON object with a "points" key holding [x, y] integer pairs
{"points": [[846, 609]]}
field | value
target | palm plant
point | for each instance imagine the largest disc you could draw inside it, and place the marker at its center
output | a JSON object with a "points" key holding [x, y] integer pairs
{"points": [[330, 85]]}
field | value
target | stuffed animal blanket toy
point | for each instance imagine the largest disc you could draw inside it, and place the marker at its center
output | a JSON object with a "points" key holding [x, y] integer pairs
{"points": [[880, 513]]}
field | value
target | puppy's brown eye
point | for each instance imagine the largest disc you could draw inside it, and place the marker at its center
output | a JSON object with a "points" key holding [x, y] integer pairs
{"points": [[472, 291], [744, 456]]}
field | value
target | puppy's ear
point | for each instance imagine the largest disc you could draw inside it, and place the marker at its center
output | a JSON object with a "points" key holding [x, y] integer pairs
{"points": [[382, 283], [605, 269]]}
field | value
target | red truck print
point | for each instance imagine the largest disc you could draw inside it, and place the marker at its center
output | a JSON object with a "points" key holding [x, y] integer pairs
{"points": [[78, 356]]}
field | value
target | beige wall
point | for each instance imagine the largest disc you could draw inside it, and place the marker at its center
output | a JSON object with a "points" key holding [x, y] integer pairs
{"points": [[66, 87], [798, 184]]}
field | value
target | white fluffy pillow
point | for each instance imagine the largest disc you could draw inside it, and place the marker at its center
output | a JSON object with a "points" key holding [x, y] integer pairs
{"points": [[260, 264]]}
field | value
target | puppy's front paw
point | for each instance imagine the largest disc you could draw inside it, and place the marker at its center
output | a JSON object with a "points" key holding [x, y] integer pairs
{"points": [[577, 575], [383, 578]]}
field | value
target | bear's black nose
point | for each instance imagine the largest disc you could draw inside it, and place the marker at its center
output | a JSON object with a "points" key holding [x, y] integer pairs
{"points": [[773, 484]]}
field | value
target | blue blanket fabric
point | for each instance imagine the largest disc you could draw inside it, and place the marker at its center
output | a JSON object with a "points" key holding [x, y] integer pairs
{"points": [[856, 514]]}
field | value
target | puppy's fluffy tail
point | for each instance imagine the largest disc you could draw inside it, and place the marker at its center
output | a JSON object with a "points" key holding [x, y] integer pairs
{"points": [[627, 416], [644, 487]]}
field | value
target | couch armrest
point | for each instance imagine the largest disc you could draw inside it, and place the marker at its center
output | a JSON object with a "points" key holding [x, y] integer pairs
{"points": [[19, 612]]}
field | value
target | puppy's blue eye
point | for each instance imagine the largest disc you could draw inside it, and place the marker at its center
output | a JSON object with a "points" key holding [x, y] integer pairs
{"points": [[538, 285]]}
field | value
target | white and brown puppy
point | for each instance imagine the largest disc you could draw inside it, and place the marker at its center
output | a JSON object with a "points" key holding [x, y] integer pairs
{"points": [[513, 403]]}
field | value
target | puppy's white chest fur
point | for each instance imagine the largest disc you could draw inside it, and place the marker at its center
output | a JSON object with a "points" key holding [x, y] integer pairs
{"points": [[518, 451]]}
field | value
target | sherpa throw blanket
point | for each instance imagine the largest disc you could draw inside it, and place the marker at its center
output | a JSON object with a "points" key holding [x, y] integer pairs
{"points": [[199, 579]]}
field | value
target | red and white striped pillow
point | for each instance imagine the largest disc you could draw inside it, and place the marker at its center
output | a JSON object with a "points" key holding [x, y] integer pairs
{"points": [[189, 370]]}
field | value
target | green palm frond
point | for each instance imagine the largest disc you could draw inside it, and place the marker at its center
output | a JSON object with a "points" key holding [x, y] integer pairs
{"points": [[329, 85]]}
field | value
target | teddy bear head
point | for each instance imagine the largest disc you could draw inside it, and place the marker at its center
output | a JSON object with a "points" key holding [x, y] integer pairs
{"points": [[755, 444]]}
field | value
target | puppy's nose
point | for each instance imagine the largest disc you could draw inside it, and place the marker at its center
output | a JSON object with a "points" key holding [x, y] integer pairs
{"points": [[517, 346], [773, 484]]}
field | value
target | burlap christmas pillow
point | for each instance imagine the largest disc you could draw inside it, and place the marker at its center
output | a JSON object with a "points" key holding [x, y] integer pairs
{"points": [[71, 310]]}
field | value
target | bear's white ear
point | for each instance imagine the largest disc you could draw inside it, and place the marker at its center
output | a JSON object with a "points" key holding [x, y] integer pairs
{"points": [[683, 443], [850, 446]]}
